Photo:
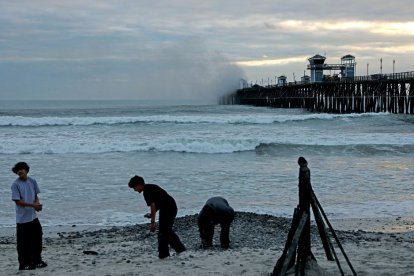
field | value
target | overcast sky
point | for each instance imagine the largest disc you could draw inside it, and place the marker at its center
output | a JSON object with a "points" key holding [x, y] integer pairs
{"points": [[81, 49]]}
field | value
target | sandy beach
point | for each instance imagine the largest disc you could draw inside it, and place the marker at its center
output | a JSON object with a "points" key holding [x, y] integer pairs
{"points": [[374, 247]]}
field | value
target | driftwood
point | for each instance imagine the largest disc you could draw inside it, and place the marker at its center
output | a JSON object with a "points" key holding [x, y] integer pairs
{"points": [[291, 251], [287, 260], [322, 230]]}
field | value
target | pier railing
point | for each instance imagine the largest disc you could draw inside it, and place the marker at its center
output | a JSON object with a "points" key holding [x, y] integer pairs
{"points": [[394, 76]]}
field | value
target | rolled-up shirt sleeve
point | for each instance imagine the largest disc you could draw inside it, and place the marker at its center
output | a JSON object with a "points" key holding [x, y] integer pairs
{"points": [[15, 193]]}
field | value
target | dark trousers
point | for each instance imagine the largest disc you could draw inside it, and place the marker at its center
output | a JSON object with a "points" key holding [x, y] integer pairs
{"points": [[224, 234], [207, 232], [29, 242], [166, 235]]}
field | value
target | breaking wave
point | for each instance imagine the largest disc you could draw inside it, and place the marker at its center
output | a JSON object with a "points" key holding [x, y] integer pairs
{"points": [[217, 146], [24, 121]]}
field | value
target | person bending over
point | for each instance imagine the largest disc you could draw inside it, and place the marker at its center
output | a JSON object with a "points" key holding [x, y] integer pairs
{"points": [[216, 211], [159, 200]]}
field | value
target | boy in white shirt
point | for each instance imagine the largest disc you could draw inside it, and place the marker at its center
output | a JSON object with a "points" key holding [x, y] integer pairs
{"points": [[28, 229]]}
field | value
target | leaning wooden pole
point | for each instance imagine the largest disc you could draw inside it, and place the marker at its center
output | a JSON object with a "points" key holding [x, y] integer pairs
{"points": [[324, 237], [292, 248], [336, 259], [294, 226], [334, 234], [321, 229]]}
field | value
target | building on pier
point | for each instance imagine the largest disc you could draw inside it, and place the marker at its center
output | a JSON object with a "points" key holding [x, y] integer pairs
{"points": [[348, 66], [282, 80], [305, 79], [317, 67]]}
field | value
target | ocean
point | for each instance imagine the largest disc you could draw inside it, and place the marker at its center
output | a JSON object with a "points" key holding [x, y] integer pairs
{"points": [[83, 153]]}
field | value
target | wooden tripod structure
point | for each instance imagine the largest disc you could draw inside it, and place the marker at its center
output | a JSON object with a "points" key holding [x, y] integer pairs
{"points": [[296, 236]]}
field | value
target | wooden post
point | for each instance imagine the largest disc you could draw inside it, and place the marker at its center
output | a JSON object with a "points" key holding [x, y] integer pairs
{"points": [[411, 100]]}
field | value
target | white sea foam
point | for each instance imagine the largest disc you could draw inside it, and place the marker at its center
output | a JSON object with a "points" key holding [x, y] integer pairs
{"points": [[183, 119], [246, 133], [177, 145], [208, 145]]}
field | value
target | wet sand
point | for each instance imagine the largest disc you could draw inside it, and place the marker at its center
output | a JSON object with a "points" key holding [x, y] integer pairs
{"points": [[374, 247]]}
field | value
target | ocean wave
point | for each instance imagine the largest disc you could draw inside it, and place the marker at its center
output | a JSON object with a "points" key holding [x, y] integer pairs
{"points": [[355, 149], [213, 146], [179, 145], [25, 121]]}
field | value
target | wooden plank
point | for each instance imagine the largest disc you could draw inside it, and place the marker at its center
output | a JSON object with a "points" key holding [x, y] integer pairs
{"points": [[294, 244], [321, 228]]}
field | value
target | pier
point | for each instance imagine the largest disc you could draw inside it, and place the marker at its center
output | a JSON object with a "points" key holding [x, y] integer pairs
{"points": [[393, 93]]}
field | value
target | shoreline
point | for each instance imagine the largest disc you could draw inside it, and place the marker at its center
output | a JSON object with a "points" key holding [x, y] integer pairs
{"points": [[378, 224], [256, 243]]}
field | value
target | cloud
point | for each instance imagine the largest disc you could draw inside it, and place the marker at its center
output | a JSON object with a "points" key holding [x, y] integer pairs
{"points": [[105, 46], [267, 62], [187, 70]]}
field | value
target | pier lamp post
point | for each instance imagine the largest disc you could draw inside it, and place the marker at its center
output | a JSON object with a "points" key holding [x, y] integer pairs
{"points": [[393, 66], [381, 65]]}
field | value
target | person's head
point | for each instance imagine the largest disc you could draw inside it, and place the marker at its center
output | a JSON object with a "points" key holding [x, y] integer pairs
{"points": [[302, 161], [21, 169], [137, 183]]}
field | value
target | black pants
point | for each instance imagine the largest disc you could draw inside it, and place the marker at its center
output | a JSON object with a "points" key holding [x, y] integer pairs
{"points": [[207, 232], [29, 242], [166, 235]]}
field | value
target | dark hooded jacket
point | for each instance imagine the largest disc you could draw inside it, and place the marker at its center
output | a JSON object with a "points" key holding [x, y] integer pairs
{"points": [[216, 210]]}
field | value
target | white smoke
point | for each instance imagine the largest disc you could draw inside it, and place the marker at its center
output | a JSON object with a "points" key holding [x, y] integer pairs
{"points": [[187, 71]]}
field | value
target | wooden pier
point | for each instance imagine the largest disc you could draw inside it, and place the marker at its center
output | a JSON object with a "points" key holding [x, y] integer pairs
{"points": [[392, 93]]}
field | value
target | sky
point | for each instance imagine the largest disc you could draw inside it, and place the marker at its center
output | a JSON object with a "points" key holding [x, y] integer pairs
{"points": [[188, 49]]}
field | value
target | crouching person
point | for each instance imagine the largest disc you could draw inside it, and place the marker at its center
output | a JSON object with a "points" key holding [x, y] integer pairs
{"points": [[216, 211]]}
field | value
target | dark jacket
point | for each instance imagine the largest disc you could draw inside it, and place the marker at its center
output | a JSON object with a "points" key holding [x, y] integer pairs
{"points": [[216, 210], [155, 194]]}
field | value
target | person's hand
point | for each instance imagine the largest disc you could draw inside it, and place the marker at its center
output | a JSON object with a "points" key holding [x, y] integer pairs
{"points": [[37, 206], [153, 227]]}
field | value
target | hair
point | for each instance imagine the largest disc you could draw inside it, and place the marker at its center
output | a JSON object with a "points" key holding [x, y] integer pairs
{"points": [[302, 161], [19, 166], [135, 181]]}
